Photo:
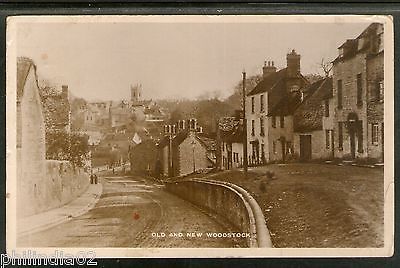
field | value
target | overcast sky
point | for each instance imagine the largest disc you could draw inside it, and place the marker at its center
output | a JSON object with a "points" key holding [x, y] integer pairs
{"points": [[99, 61]]}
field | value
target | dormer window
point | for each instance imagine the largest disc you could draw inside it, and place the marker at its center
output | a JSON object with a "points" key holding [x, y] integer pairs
{"points": [[294, 88]]}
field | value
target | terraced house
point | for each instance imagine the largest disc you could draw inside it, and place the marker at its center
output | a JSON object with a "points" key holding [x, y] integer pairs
{"points": [[358, 88], [269, 111]]}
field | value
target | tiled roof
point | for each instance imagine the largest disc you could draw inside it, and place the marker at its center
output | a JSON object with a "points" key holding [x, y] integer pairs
{"points": [[308, 115], [269, 83], [230, 129], [209, 143], [279, 100]]}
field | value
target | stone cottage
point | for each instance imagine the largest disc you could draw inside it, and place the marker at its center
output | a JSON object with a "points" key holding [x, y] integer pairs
{"points": [[185, 150], [269, 111], [313, 123], [358, 89], [230, 140]]}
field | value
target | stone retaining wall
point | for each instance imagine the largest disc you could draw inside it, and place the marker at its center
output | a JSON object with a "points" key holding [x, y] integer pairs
{"points": [[228, 201], [61, 184]]}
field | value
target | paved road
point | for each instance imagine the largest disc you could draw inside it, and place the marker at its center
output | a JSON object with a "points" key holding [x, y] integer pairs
{"points": [[129, 212]]}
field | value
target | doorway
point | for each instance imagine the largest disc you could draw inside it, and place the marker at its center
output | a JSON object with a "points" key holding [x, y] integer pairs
{"points": [[305, 147]]}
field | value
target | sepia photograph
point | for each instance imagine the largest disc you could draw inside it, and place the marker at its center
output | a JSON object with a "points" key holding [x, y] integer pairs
{"points": [[200, 136]]}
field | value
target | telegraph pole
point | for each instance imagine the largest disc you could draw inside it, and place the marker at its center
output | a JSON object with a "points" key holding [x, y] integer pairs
{"points": [[244, 124]]}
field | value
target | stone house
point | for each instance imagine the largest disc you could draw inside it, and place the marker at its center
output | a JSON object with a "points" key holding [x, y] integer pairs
{"points": [[31, 150], [269, 111], [230, 141], [313, 123], [185, 150], [358, 89]]}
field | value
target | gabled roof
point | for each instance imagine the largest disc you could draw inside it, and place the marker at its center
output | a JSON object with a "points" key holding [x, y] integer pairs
{"points": [[280, 101], [208, 143], [269, 82], [23, 67], [308, 115], [231, 130]]}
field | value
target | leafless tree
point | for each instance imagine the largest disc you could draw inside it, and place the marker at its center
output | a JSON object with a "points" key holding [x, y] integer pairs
{"points": [[326, 66]]}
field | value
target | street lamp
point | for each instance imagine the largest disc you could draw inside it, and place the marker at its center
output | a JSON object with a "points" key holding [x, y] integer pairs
{"points": [[244, 123]]}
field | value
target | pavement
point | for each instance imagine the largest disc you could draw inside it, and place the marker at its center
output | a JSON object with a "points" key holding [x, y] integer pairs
{"points": [[79, 206]]}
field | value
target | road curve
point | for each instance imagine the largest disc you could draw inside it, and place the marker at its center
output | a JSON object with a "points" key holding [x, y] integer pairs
{"points": [[134, 212]]}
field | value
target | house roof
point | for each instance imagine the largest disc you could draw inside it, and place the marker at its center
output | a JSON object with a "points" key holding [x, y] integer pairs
{"points": [[280, 102], [268, 83], [308, 115], [208, 143], [230, 129], [23, 67]]}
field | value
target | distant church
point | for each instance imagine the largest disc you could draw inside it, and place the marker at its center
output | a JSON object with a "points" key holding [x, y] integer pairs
{"points": [[136, 93]]}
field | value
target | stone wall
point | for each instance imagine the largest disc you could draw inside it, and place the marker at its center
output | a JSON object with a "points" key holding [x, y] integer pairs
{"points": [[318, 144], [238, 208], [61, 184], [347, 71], [188, 161], [30, 146], [375, 108]]}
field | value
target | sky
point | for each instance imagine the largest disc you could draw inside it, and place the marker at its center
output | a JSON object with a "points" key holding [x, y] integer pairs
{"points": [[99, 61]]}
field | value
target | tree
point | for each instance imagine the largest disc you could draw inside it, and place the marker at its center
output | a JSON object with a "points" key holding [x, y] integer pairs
{"points": [[235, 100], [79, 148], [326, 67]]}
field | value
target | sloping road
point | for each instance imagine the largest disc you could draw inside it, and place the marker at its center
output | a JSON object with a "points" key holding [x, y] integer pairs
{"points": [[134, 212]]}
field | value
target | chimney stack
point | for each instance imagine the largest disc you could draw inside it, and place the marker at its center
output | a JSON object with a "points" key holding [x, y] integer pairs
{"points": [[64, 91], [268, 69], [293, 64]]}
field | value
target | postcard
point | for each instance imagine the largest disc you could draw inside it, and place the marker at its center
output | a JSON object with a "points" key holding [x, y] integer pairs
{"points": [[199, 136]]}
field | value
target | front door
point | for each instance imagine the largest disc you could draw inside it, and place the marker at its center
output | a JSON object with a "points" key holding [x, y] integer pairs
{"points": [[352, 134], [305, 147]]}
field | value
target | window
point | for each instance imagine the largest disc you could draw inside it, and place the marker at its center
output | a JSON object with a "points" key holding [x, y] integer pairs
{"points": [[360, 138], [274, 147], [252, 104], [380, 42], [274, 121], [262, 127], [252, 128], [380, 91], [261, 103], [326, 108], [282, 121], [327, 138], [359, 90], [375, 129], [262, 150], [339, 94], [341, 135]]}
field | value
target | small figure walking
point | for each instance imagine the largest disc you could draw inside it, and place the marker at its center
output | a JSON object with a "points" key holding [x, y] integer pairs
{"points": [[92, 178]]}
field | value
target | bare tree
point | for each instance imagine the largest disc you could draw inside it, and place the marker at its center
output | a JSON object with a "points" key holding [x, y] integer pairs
{"points": [[326, 66]]}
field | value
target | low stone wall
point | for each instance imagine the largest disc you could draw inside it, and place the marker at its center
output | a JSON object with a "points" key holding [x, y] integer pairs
{"points": [[228, 201], [61, 184]]}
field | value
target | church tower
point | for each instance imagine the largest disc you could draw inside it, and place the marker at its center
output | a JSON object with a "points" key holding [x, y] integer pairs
{"points": [[136, 93]]}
